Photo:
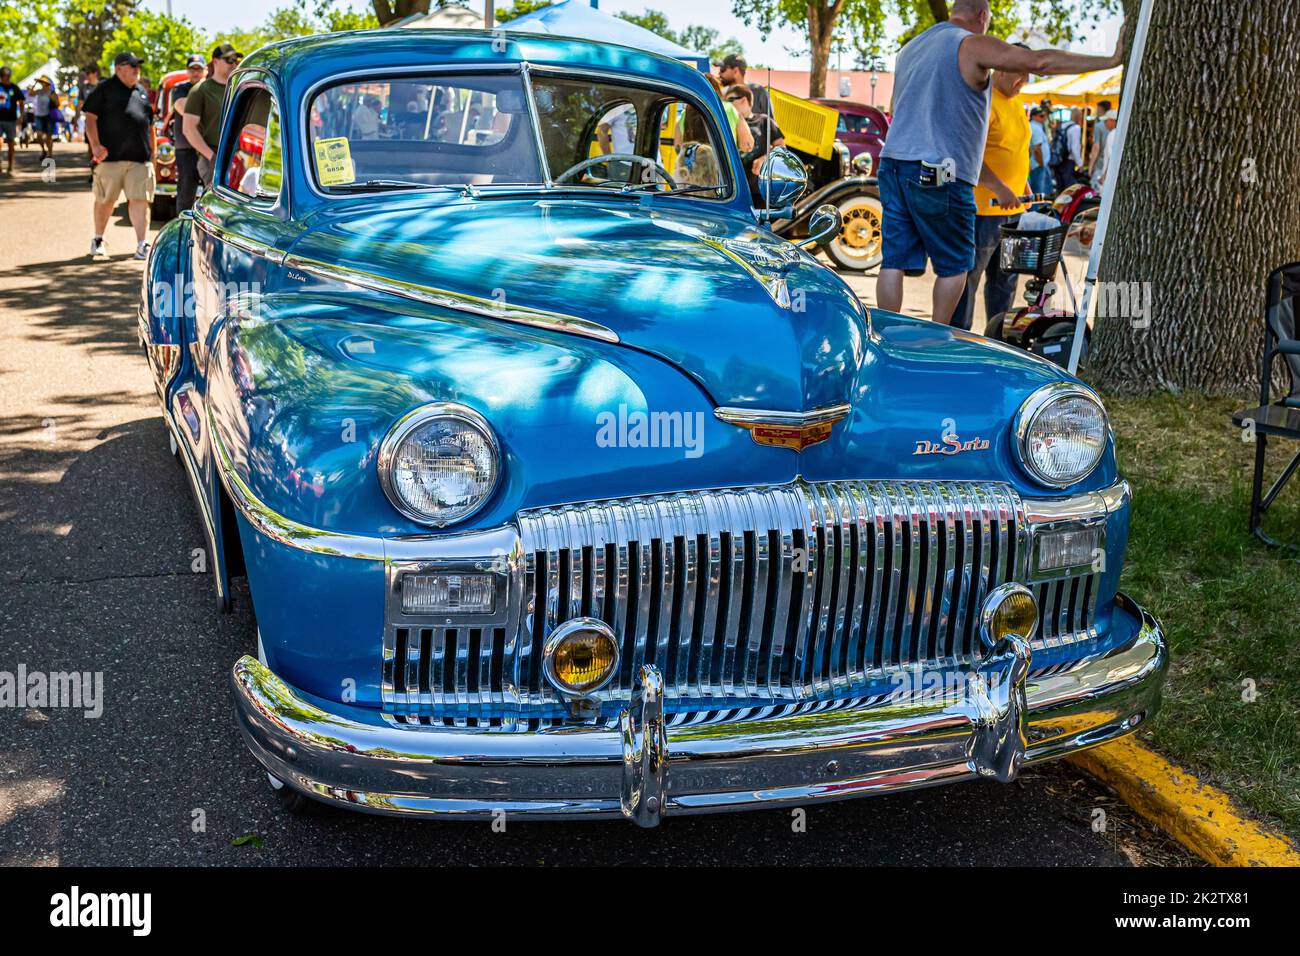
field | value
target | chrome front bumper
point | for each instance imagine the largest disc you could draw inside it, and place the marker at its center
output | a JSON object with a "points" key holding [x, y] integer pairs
{"points": [[354, 756]]}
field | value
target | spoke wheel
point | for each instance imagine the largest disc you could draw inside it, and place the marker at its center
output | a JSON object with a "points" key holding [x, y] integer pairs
{"points": [[859, 244]]}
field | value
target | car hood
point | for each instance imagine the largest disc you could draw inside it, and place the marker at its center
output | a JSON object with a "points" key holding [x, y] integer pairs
{"points": [[753, 320]]}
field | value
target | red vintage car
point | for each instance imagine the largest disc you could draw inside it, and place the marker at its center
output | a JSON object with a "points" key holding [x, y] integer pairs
{"points": [[861, 128], [164, 154]]}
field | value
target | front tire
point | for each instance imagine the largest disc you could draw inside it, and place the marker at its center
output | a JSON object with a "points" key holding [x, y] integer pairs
{"points": [[860, 243]]}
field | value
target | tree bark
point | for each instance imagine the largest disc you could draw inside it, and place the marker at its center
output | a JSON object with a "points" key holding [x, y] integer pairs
{"points": [[1205, 205], [939, 10], [389, 11], [821, 33]]}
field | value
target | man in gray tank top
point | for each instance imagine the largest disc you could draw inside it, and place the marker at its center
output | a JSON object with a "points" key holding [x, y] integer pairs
{"points": [[933, 156]]}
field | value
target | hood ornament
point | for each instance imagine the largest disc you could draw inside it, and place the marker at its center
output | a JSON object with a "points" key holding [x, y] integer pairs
{"points": [[793, 430], [766, 261]]}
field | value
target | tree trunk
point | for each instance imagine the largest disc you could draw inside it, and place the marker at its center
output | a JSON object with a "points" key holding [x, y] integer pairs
{"points": [[1205, 206], [389, 11], [821, 32], [939, 10]]}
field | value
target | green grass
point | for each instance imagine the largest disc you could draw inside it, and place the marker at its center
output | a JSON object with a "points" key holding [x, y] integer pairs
{"points": [[1229, 604]]}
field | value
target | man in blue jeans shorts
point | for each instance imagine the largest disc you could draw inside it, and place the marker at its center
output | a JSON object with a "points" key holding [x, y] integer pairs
{"points": [[933, 156]]}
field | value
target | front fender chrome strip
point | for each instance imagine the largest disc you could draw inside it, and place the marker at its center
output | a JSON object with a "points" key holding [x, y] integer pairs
{"points": [[460, 302]]}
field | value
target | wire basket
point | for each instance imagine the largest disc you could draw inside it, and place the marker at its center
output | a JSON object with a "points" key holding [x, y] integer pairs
{"points": [[1032, 252]]}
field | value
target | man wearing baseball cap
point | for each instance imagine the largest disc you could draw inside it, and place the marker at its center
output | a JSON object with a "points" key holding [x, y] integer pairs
{"points": [[202, 123], [732, 71], [187, 160], [119, 127]]}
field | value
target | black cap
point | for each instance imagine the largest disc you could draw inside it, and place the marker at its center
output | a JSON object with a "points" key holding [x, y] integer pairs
{"points": [[734, 60], [196, 59], [225, 50], [127, 59]]}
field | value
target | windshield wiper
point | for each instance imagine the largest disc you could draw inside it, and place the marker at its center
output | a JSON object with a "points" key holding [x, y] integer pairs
{"points": [[676, 191], [378, 184]]}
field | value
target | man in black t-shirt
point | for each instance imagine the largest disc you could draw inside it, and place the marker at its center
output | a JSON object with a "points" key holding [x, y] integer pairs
{"points": [[11, 112], [187, 160], [119, 125]]}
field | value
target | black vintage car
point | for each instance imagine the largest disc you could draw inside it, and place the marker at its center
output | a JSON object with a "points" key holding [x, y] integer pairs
{"points": [[851, 187]]}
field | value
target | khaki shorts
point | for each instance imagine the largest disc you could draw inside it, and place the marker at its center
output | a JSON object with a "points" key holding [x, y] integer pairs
{"points": [[112, 179]]}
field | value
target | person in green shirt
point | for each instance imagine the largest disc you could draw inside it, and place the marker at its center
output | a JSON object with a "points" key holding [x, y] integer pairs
{"points": [[202, 122], [740, 131]]}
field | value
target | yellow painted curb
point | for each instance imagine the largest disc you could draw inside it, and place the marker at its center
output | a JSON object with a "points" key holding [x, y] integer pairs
{"points": [[1195, 814]]}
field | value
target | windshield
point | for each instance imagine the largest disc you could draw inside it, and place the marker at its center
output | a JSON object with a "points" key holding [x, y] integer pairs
{"points": [[477, 130]]}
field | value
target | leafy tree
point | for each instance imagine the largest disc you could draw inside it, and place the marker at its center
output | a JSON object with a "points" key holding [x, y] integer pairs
{"points": [[705, 40], [1059, 20], [163, 42], [85, 26], [698, 39], [861, 21], [28, 34], [519, 8]]}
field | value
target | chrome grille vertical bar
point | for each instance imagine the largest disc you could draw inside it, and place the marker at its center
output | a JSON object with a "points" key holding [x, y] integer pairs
{"points": [[784, 570], [641, 518], [962, 643], [711, 581], [895, 576], [742, 571], [690, 521], [948, 639], [855, 517], [758, 520], [912, 578], [802, 506], [664, 530], [825, 521], [877, 528]]}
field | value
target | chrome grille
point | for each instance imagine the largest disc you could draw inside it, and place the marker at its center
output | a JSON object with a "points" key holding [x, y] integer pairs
{"points": [[750, 597]]}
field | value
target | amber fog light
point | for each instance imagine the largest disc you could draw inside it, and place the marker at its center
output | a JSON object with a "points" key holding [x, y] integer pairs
{"points": [[1010, 609], [580, 656]]}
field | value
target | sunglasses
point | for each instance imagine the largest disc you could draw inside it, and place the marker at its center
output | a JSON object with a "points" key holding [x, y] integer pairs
{"points": [[232, 60]]}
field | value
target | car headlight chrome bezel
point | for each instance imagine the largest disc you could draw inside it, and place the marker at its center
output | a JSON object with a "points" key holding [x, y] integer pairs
{"points": [[410, 423], [1034, 407]]}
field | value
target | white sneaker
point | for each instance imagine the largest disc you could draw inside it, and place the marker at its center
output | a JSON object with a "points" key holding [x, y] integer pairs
{"points": [[142, 250], [97, 249]]}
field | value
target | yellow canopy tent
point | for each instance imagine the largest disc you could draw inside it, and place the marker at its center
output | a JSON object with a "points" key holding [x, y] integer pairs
{"points": [[1086, 89]]}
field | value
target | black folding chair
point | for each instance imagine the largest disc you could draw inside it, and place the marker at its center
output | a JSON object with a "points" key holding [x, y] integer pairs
{"points": [[1279, 418]]}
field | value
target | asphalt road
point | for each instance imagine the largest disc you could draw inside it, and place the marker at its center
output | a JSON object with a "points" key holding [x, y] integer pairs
{"points": [[96, 533]]}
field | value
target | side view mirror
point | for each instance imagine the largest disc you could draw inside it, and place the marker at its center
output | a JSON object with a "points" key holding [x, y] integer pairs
{"points": [[863, 164], [782, 178], [823, 225]]}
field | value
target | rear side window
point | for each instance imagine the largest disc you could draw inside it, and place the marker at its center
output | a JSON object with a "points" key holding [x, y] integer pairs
{"points": [[255, 167]]}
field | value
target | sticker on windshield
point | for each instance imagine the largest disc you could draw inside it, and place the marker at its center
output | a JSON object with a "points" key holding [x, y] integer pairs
{"points": [[334, 162]]}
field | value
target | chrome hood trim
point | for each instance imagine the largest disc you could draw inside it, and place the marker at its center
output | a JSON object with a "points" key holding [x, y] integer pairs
{"points": [[490, 308]]}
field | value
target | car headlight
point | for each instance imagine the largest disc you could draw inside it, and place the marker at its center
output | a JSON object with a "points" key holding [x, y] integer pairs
{"points": [[166, 153], [440, 463], [1061, 433]]}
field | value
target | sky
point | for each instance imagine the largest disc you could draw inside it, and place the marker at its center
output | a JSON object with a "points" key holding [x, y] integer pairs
{"points": [[783, 49]]}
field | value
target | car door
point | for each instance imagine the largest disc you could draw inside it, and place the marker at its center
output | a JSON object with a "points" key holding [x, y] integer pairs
{"points": [[241, 230]]}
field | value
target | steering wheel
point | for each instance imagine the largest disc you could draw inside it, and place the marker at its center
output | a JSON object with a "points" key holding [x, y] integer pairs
{"points": [[614, 157]]}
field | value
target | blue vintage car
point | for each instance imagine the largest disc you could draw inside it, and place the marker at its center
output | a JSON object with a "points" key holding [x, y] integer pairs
{"points": [[564, 488]]}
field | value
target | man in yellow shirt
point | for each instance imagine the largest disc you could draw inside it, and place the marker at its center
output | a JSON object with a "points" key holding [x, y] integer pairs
{"points": [[1004, 177]]}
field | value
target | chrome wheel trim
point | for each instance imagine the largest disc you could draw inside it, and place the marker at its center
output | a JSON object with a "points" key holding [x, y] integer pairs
{"points": [[863, 217]]}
